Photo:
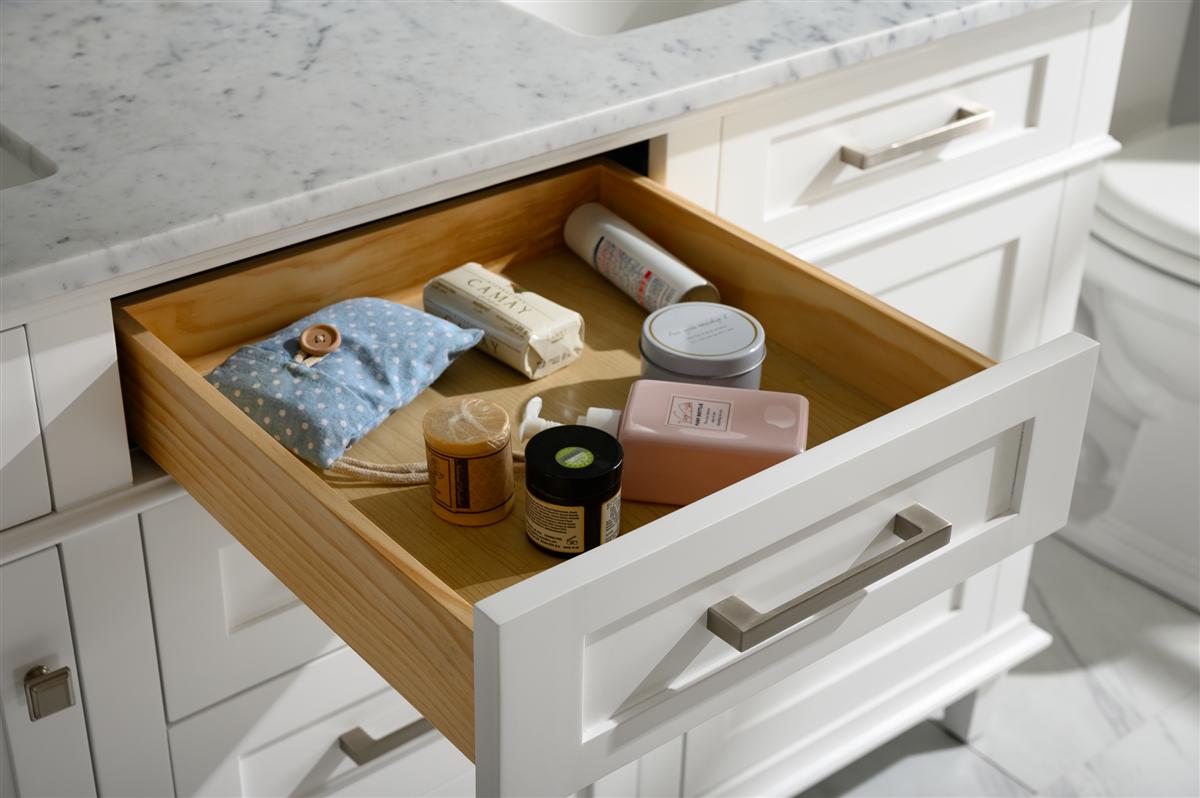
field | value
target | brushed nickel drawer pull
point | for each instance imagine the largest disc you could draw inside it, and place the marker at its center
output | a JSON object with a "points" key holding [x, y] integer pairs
{"points": [[47, 691], [967, 119], [363, 748], [743, 627]]}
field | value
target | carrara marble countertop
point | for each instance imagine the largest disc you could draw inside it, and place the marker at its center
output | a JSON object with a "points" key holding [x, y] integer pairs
{"points": [[182, 128]]}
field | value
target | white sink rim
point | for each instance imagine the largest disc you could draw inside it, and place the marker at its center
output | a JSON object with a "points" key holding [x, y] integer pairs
{"points": [[20, 161], [599, 18]]}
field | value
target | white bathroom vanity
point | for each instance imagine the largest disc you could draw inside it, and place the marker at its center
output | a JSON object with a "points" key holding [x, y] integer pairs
{"points": [[901, 193]]}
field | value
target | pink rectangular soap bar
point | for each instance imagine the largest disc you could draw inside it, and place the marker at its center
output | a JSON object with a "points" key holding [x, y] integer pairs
{"points": [[684, 441]]}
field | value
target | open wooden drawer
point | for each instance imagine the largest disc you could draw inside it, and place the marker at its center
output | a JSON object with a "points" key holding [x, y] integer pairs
{"points": [[551, 673]]}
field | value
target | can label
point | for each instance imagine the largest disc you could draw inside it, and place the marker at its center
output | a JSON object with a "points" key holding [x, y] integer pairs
{"points": [[470, 484], [693, 413], [557, 527], [631, 276]]}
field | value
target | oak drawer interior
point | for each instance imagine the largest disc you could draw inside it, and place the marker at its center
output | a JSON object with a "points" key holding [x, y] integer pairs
{"points": [[390, 578]]}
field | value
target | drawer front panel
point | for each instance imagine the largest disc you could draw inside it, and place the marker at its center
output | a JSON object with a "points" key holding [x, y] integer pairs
{"points": [[24, 487], [725, 752], [281, 738], [624, 664], [223, 622], [979, 275], [994, 454], [50, 755], [783, 174]]}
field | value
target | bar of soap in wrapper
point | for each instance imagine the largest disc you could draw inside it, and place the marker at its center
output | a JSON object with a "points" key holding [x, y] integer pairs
{"points": [[528, 332]]}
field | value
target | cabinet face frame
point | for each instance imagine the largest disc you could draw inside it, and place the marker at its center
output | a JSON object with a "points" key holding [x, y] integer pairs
{"points": [[460, 663]]}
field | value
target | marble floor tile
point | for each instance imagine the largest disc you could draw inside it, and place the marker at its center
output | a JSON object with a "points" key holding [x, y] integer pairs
{"points": [[924, 761], [1159, 759], [1121, 655]]}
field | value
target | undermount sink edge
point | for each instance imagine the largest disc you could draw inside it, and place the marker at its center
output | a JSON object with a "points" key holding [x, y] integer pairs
{"points": [[20, 161], [608, 17]]}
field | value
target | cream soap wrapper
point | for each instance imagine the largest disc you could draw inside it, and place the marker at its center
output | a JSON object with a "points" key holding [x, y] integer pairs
{"points": [[527, 331]]}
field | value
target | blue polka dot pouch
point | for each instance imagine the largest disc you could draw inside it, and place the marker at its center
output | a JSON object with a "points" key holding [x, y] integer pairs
{"points": [[318, 406]]}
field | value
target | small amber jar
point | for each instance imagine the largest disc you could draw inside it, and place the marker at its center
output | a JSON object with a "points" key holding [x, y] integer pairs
{"points": [[468, 446]]}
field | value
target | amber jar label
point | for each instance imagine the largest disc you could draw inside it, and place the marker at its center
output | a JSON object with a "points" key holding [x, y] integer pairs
{"points": [[468, 485]]}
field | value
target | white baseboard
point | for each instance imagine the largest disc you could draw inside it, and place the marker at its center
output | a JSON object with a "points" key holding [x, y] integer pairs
{"points": [[1138, 555]]}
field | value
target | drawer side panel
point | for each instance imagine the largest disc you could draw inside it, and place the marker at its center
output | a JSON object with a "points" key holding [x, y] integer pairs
{"points": [[411, 628]]}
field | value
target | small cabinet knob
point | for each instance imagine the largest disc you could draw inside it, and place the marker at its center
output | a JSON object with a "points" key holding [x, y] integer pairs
{"points": [[47, 691]]}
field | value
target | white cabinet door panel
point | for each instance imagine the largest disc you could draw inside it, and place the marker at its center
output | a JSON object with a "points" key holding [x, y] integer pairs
{"points": [[223, 621], [979, 275], [50, 756]]}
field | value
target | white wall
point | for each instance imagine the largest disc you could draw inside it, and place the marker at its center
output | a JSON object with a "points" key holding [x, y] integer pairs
{"points": [[1185, 105], [1153, 49]]}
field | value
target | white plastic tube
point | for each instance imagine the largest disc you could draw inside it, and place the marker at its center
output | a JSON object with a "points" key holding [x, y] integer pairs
{"points": [[631, 261]]}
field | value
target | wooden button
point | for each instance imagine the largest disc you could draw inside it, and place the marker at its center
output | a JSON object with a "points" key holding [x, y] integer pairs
{"points": [[320, 339]]}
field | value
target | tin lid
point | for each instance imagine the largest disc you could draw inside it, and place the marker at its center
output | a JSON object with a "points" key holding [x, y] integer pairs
{"points": [[573, 462], [703, 339]]}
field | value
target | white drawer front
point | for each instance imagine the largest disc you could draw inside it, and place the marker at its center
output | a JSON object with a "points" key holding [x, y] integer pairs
{"points": [[782, 175], [50, 755], [24, 488], [609, 656], [281, 738], [223, 621], [739, 751], [979, 275]]}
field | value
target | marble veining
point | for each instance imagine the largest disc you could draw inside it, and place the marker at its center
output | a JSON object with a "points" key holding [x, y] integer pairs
{"points": [[179, 128]]}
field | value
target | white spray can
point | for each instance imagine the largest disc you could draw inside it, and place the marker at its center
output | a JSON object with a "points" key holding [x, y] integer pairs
{"points": [[642, 269]]}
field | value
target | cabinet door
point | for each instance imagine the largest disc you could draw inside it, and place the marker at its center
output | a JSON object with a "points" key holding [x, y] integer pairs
{"points": [[285, 737], [24, 488], [224, 623], [979, 275], [50, 755]]}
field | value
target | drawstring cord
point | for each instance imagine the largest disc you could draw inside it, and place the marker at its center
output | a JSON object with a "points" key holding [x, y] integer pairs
{"points": [[391, 473]]}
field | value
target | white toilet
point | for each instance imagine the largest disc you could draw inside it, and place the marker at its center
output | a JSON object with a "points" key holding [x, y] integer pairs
{"points": [[1137, 496]]}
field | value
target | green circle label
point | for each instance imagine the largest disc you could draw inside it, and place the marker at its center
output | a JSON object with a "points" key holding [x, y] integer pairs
{"points": [[574, 457]]}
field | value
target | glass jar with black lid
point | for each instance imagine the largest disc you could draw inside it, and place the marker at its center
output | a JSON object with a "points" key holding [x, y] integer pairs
{"points": [[573, 489]]}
